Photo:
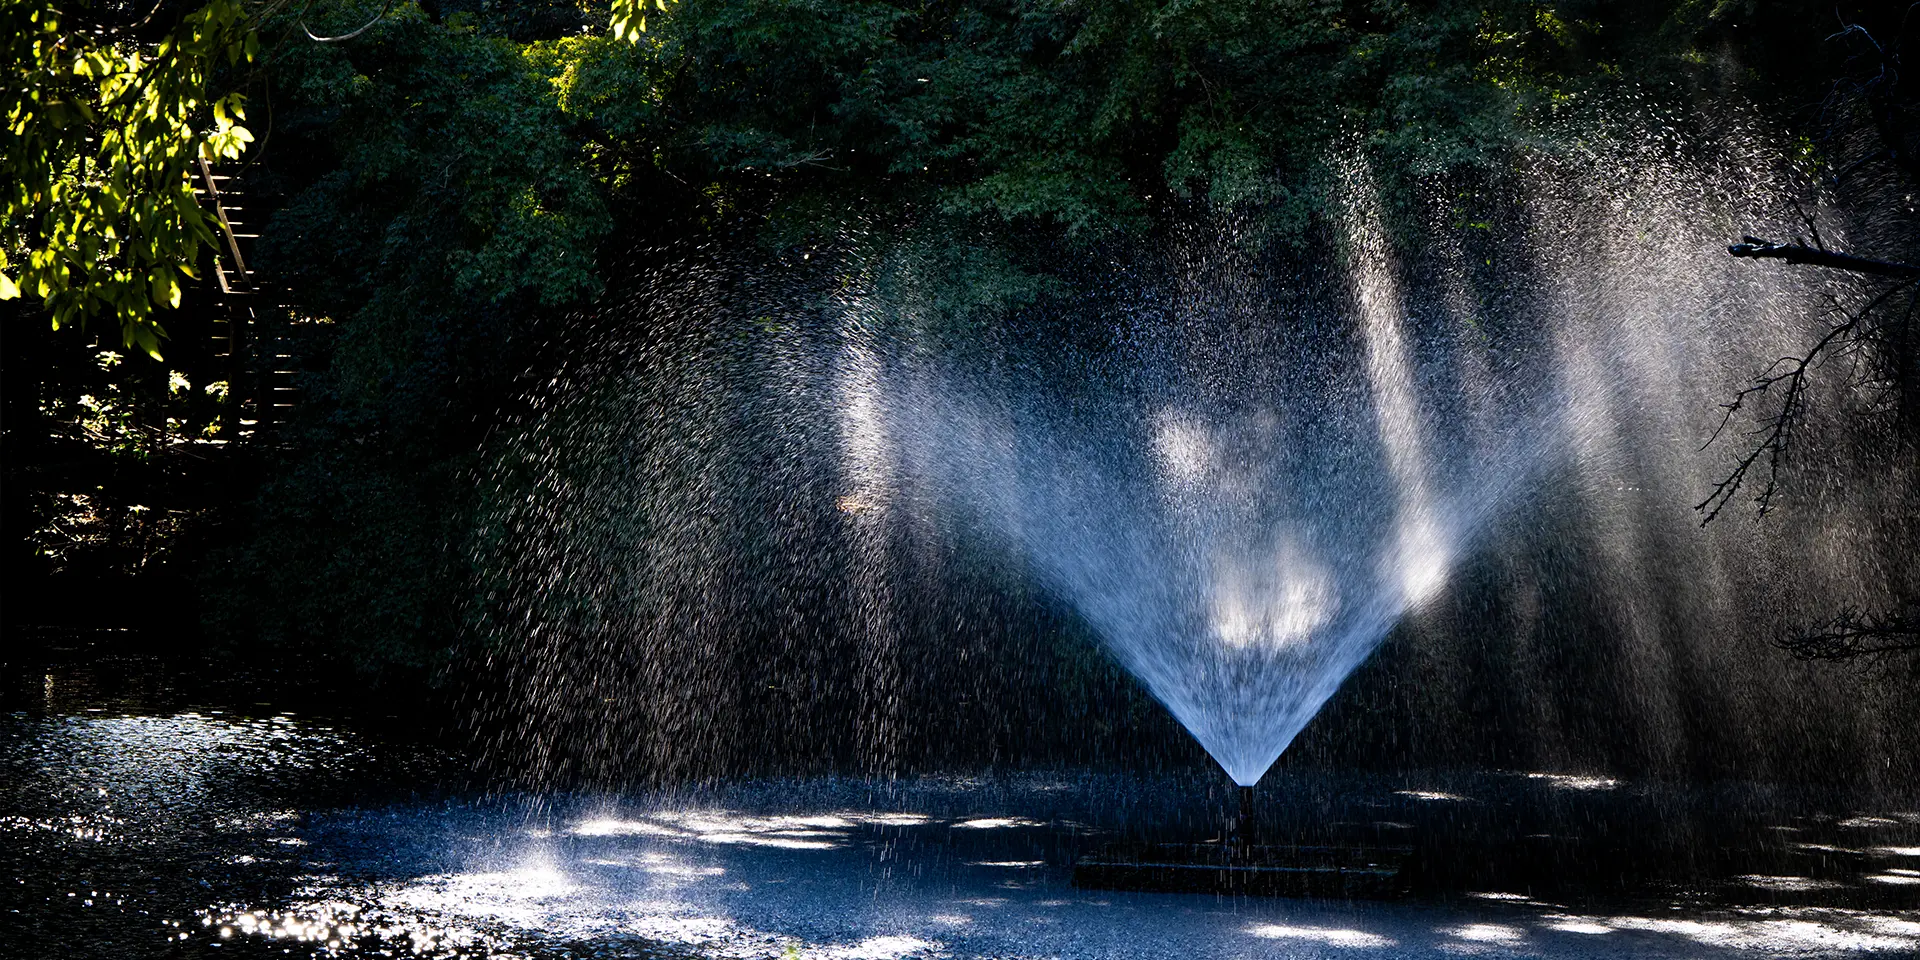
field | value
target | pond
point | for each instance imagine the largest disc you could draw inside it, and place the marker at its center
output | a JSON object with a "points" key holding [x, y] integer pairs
{"points": [[135, 825]]}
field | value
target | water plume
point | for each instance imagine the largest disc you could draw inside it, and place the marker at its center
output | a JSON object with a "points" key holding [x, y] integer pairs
{"points": [[785, 517], [1239, 550]]}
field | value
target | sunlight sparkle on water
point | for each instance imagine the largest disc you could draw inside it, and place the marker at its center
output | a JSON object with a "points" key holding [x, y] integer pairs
{"points": [[1331, 936]]}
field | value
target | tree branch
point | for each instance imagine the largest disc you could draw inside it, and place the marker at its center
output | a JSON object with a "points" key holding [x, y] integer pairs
{"points": [[1801, 253], [348, 36], [1853, 634], [1790, 374]]}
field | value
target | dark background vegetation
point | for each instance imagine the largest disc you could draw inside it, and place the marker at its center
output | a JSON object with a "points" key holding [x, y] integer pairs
{"points": [[451, 198]]}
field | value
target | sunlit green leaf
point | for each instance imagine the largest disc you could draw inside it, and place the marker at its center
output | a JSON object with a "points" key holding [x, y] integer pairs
{"points": [[100, 196]]}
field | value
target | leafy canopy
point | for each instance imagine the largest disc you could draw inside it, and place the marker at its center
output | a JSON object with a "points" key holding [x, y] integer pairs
{"points": [[1076, 116], [102, 128]]}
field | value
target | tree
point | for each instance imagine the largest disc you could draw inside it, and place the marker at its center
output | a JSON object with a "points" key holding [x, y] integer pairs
{"points": [[104, 120], [1873, 125]]}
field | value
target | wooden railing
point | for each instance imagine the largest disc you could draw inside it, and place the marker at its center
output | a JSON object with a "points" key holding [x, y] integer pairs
{"points": [[252, 322]]}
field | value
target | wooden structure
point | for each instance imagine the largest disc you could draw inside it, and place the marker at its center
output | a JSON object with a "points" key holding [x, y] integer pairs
{"points": [[252, 320]]}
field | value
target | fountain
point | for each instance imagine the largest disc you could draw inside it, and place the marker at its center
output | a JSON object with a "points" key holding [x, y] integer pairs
{"points": [[1239, 549], [793, 511]]}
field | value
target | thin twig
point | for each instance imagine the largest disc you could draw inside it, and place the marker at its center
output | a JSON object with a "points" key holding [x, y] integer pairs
{"points": [[1776, 432], [348, 36], [1852, 634]]}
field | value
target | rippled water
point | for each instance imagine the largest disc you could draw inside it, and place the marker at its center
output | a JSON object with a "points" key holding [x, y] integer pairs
{"points": [[204, 833]]}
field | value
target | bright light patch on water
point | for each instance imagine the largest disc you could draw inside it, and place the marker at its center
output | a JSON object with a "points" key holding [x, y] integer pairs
{"points": [[996, 823], [1826, 848], [1893, 927], [1768, 935], [1581, 925], [1435, 796], [896, 819], [819, 832], [658, 864], [762, 840], [1493, 933], [875, 948], [609, 827], [692, 930], [1788, 884], [344, 928], [525, 896], [525, 883], [1863, 823], [1331, 936], [1565, 781]]}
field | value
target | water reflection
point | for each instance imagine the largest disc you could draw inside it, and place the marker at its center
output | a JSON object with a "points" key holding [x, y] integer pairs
{"points": [[196, 835], [344, 929]]}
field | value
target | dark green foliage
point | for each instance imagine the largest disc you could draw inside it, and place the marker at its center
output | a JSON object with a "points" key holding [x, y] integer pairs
{"points": [[434, 208], [430, 174], [1085, 117]]}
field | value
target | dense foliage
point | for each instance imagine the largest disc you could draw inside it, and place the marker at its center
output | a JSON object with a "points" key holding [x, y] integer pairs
{"points": [[104, 125]]}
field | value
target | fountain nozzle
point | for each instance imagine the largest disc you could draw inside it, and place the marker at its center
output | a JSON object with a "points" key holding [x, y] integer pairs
{"points": [[1240, 827]]}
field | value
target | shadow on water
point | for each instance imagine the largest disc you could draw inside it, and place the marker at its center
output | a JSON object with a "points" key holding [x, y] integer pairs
{"points": [[137, 820]]}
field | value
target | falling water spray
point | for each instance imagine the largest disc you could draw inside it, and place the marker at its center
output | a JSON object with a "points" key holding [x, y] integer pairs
{"points": [[739, 530]]}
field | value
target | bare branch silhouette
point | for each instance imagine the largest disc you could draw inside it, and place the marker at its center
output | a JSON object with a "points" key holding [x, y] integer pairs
{"points": [[1820, 256], [1852, 634], [1775, 431]]}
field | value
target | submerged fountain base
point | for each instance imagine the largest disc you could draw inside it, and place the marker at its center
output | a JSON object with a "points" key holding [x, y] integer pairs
{"points": [[1327, 872], [1238, 863]]}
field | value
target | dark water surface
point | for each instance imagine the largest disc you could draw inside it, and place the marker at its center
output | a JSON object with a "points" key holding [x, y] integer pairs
{"points": [[136, 822]]}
